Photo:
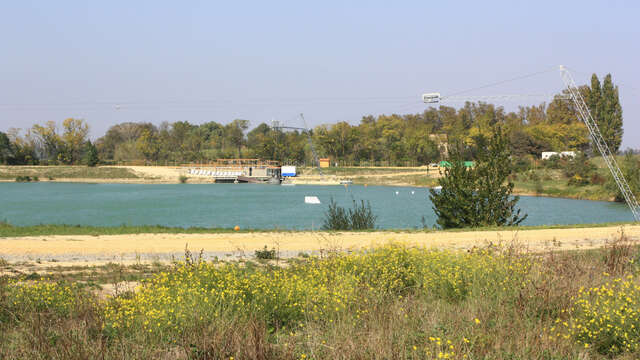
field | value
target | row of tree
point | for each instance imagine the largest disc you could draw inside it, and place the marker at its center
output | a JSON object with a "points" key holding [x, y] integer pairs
{"points": [[394, 139], [44, 144]]}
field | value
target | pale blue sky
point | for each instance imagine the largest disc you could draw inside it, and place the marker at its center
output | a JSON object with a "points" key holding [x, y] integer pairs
{"points": [[332, 60]]}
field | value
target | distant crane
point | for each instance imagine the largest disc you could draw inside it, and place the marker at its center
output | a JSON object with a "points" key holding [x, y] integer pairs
{"points": [[275, 125], [584, 115]]}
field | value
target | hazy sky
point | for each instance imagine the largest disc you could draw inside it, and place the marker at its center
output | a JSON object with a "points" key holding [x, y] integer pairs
{"points": [[115, 61]]}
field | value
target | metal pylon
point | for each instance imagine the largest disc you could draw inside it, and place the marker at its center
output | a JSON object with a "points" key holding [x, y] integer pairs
{"points": [[596, 136]]}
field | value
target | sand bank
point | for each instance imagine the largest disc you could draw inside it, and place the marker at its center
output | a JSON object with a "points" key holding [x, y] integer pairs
{"points": [[165, 247]]}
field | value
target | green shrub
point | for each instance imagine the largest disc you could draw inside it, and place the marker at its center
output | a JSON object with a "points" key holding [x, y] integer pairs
{"points": [[630, 166], [554, 162], [183, 179], [579, 170], [336, 218], [577, 180], [360, 217], [266, 254], [521, 164]]}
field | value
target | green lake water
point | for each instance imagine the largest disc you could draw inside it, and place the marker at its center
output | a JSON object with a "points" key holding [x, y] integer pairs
{"points": [[252, 205]]}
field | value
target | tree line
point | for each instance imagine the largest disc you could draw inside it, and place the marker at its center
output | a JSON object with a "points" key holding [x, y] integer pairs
{"points": [[394, 139]]}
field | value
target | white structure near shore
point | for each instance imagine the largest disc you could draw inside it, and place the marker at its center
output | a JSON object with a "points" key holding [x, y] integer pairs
{"points": [[547, 154]]}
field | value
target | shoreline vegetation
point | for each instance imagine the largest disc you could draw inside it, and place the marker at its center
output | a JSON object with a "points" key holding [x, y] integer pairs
{"points": [[536, 182]]}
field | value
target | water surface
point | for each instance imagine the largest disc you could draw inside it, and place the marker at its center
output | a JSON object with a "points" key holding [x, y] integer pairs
{"points": [[252, 205]]}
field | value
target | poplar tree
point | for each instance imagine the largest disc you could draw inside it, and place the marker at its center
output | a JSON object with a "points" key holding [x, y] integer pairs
{"points": [[610, 117], [594, 98]]}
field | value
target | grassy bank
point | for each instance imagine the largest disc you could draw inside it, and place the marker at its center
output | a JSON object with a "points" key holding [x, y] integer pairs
{"points": [[66, 172], [393, 302], [8, 230], [537, 182]]}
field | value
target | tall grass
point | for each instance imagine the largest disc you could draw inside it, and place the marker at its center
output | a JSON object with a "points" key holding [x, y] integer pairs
{"points": [[394, 302]]}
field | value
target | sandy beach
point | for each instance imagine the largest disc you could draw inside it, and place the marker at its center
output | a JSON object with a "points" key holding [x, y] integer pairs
{"points": [[171, 175], [83, 249]]}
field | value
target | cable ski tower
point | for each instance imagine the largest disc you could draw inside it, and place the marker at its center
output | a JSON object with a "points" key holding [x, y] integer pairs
{"points": [[275, 125], [596, 136], [583, 114]]}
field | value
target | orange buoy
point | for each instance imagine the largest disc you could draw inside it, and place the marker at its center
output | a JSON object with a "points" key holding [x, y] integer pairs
{"points": [[236, 228]]}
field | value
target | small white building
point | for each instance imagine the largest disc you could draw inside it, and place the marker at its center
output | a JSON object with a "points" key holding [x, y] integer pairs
{"points": [[288, 171], [547, 154]]}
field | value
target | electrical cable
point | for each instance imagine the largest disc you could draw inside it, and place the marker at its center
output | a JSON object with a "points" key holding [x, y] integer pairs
{"points": [[502, 82]]}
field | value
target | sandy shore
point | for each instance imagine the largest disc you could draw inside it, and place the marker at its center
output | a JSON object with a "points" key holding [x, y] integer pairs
{"points": [[171, 175], [70, 249]]}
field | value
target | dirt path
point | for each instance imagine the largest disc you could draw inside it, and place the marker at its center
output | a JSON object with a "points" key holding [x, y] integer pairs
{"points": [[63, 249]]}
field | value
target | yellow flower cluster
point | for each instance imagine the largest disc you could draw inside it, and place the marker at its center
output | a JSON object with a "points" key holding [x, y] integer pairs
{"points": [[438, 348], [605, 318], [314, 290], [44, 295]]}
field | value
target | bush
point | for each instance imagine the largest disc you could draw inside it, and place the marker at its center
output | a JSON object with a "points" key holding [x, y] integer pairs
{"points": [[597, 179], [23, 179], [577, 180], [554, 162], [183, 179], [533, 176], [630, 167], [266, 254], [521, 164], [579, 170], [360, 217], [336, 217]]}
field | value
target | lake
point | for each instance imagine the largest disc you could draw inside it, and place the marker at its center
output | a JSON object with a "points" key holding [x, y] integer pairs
{"points": [[252, 205]]}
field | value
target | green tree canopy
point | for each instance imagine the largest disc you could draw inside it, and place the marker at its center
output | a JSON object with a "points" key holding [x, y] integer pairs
{"points": [[478, 196], [91, 155], [5, 149]]}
